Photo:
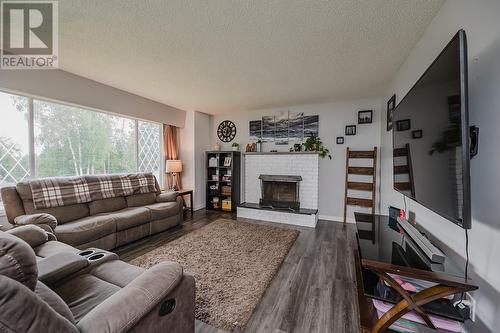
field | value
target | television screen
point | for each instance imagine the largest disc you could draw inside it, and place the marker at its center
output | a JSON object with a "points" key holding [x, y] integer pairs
{"points": [[430, 137]]}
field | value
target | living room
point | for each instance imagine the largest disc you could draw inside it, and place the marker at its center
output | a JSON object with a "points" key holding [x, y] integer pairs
{"points": [[244, 166]]}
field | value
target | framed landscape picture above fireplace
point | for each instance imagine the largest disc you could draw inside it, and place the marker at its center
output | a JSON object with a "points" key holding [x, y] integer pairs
{"points": [[296, 126], [311, 126], [268, 128], [255, 127], [283, 127], [281, 120]]}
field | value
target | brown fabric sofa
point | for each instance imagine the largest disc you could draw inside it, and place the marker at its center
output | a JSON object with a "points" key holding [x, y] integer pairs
{"points": [[49, 286], [106, 223]]}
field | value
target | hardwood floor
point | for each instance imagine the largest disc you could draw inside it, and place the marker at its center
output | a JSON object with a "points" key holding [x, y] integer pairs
{"points": [[314, 290]]}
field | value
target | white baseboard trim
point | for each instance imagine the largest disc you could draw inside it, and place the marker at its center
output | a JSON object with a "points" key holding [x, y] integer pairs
{"points": [[199, 207], [336, 218]]}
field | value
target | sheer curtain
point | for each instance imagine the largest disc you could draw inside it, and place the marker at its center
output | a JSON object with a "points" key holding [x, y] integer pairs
{"points": [[171, 152]]}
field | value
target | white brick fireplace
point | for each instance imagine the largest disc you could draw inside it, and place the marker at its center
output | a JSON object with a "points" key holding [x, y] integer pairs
{"points": [[304, 164]]}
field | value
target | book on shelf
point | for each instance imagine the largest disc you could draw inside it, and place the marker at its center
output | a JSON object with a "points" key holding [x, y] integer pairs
{"points": [[412, 284], [226, 190], [411, 321], [212, 162], [226, 204]]}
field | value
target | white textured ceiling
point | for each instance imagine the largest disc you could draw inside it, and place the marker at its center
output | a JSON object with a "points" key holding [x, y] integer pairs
{"points": [[223, 55]]}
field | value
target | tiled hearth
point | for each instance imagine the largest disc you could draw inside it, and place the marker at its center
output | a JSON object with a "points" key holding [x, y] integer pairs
{"points": [[305, 165]]}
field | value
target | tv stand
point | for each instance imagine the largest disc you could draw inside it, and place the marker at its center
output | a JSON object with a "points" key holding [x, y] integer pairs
{"points": [[385, 250], [432, 252]]}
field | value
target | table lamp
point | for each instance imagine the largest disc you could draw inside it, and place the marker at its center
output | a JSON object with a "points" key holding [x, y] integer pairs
{"points": [[173, 167]]}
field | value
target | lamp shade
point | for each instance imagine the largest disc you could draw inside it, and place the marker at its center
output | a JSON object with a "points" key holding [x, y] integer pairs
{"points": [[173, 166]]}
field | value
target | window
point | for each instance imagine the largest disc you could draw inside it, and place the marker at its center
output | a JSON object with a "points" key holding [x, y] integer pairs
{"points": [[69, 141], [14, 139], [149, 145]]}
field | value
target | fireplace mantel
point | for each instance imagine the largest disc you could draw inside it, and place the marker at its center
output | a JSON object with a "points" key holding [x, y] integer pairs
{"points": [[280, 178]]}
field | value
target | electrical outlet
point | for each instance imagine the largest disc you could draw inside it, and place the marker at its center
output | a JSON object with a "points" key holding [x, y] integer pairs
{"points": [[467, 306]]}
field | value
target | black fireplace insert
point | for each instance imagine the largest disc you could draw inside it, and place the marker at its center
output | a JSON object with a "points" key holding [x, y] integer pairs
{"points": [[280, 192]]}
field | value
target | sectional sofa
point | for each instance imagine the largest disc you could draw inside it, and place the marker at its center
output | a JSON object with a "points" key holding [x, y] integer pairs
{"points": [[106, 223]]}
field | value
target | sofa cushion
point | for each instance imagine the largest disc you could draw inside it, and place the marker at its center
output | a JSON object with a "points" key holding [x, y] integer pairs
{"points": [[63, 214], [54, 301], [17, 260], [86, 229], [130, 217], [24, 311], [163, 210], [117, 272], [143, 199], [107, 205], [85, 292]]}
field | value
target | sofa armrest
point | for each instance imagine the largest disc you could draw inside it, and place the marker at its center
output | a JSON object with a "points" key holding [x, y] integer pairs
{"points": [[129, 305], [59, 266], [37, 219], [31, 234], [168, 196]]}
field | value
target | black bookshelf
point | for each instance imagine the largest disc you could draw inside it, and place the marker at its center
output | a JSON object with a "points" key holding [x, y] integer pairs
{"points": [[223, 180]]}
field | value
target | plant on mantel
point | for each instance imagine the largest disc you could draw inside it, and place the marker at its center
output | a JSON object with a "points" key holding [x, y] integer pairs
{"points": [[314, 143]]}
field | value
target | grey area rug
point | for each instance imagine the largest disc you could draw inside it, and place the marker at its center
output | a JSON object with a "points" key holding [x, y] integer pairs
{"points": [[233, 264]]}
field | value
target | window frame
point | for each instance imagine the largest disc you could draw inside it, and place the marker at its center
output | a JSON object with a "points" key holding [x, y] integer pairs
{"points": [[31, 131]]}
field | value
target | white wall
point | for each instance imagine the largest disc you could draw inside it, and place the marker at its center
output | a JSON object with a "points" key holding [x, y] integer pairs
{"points": [[194, 140], [62, 86], [186, 151], [482, 25], [202, 144], [332, 120]]}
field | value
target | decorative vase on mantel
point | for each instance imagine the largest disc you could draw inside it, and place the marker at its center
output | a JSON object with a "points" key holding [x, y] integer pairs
{"points": [[259, 146]]}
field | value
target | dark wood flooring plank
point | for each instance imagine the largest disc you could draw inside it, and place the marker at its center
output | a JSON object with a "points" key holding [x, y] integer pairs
{"points": [[314, 290]]}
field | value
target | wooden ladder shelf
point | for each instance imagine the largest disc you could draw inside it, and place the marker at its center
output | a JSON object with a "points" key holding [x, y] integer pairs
{"points": [[357, 185], [404, 170]]}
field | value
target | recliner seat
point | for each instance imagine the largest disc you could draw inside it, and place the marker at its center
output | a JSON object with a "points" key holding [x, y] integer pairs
{"points": [[78, 295]]}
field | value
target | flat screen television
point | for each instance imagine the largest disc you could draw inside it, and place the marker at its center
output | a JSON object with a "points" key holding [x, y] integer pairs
{"points": [[431, 137]]}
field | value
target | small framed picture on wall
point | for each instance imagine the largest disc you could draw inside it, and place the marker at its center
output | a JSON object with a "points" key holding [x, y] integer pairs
{"points": [[403, 125], [340, 140], [365, 117], [350, 130], [391, 104], [417, 134]]}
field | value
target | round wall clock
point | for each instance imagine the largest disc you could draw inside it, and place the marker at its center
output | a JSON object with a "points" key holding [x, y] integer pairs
{"points": [[226, 131]]}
